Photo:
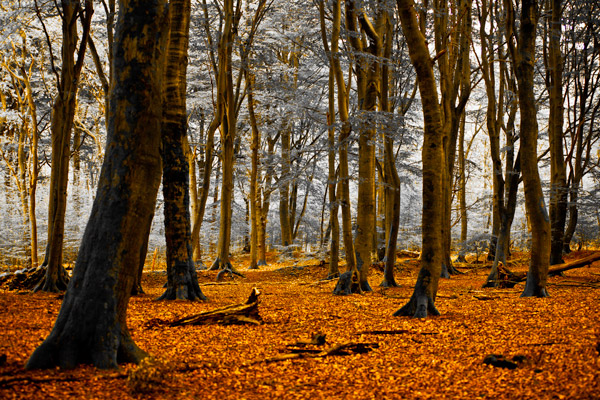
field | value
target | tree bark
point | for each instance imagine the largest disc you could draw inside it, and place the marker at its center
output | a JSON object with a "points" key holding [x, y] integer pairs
{"points": [[254, 200], [63, 114], [182, 281], [392, 180], [524, 58], [558, 175], [228, 133], [422, 300], [92, 326]]}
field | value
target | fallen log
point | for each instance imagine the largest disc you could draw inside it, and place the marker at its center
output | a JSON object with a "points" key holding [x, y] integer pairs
{"points": [[515, 277], [235, 314], [582, 262]]}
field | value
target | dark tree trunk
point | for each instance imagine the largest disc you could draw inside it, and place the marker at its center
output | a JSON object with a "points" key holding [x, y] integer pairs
{"points": [[91, 326], [523, 58], [558, 176], [182, 281], [507, 216]]}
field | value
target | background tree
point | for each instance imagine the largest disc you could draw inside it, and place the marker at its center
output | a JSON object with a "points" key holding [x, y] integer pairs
{"points": [[334, 224], [63, 112], [24, 135], [501, 113], [582, 33]]}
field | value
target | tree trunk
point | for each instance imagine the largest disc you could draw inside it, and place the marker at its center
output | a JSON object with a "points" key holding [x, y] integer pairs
{"points": [[182, 281], [422, 300], [523, 58], [254, 147], [34, 169], [558, 175], [391, 178], [284, 189], [228, 133], [452, 24], [92, 326], [63, 113]]}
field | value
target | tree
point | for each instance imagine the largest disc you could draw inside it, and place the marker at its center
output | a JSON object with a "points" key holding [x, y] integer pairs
{"points": [[523, 58], [182, 281], [254, 201], [368, 48], [581, 33], [452, 27], [25, 136], [63, 113], [343, 188], [558, 175], [334, 224], [501, 103], [228, 132], [390, 175], [423, 298], [91, 326]]}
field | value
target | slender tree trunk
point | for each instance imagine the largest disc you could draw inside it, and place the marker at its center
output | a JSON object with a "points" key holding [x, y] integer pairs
{"points": [[228, 134], [423, 298], [391, 178], [91, 326], [34, 169], [343, 189], [63, 114], [190, 154], [284, 188], [182, 281], [334, 251], [558, 175], [254, 147]]}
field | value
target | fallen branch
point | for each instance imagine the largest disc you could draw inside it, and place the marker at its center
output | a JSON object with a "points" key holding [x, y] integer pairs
{"points": [[342, 349], [244, 313], [219, 283], [395, 332], [12, 380], [515, 277]]}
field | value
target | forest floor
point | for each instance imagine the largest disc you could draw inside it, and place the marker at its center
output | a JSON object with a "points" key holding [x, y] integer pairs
{"points": [[552, 344]]}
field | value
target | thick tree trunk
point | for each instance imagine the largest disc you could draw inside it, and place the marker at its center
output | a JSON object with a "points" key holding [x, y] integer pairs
{"points": [[422, 300], [182, 281], [92, 326]]}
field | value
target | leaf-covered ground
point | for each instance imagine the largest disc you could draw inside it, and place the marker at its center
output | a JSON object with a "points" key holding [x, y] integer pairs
{"points": [[554, 342]]}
